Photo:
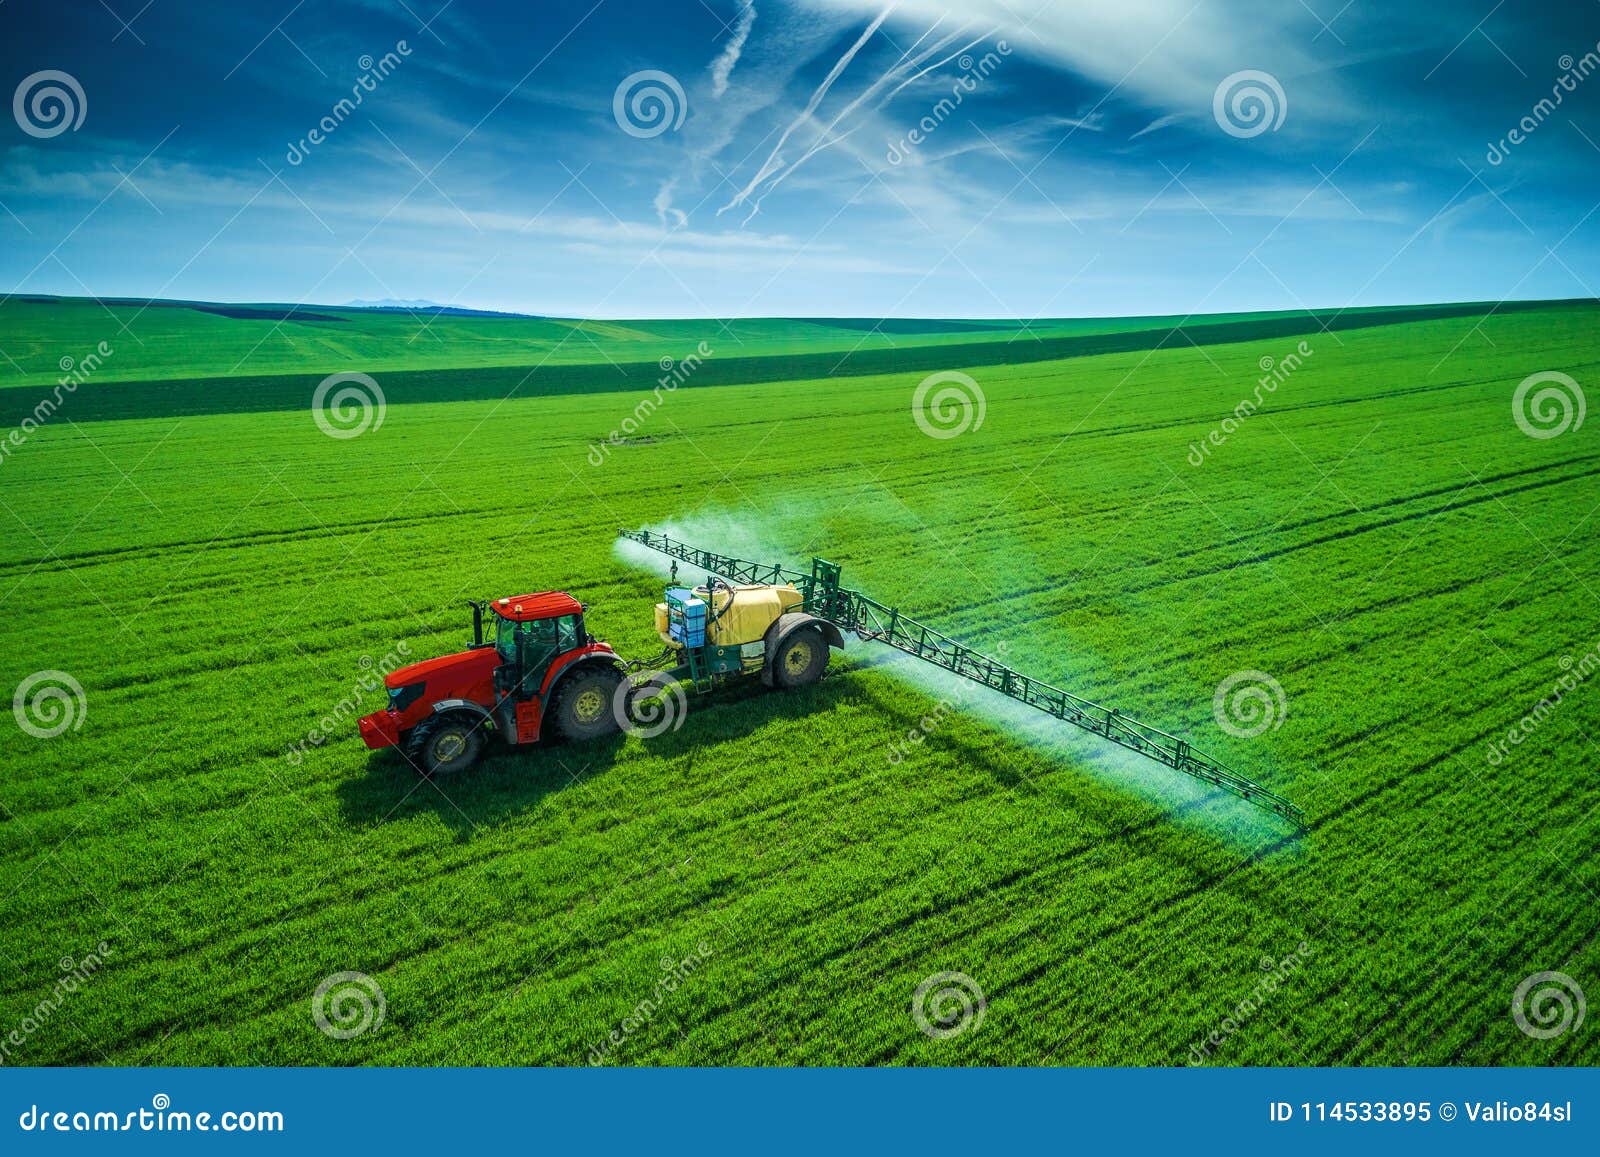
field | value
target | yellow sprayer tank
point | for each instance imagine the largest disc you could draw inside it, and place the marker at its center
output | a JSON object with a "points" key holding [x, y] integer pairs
{"points": [[754, 608]]}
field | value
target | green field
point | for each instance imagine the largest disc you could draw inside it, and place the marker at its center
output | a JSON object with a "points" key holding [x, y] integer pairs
{"points": [[1380, 538], [171, 340]]}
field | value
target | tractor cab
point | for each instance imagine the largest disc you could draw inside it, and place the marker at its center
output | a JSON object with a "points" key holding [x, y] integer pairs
{"points": [[532, 669], [531, 632]]}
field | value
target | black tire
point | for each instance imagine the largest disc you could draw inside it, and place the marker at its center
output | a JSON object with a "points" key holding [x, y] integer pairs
{"points": [[581, 709], [445, 744], [800, 658]]}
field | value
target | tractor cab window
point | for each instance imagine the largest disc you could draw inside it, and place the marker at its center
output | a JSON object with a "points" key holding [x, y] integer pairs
{"points": [[505, 639], [567, 633], [540, 638]]}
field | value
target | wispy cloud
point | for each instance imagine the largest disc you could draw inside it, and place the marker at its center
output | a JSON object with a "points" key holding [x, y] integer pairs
{"points": [[1156, 125], [722, 66], [663, 206]]}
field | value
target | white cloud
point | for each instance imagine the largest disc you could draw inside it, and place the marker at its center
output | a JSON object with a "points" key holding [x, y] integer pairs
{"points": [[1157, 124]]}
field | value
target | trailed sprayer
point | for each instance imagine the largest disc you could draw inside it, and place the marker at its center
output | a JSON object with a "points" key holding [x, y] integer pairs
{"points": [[541, 674]]}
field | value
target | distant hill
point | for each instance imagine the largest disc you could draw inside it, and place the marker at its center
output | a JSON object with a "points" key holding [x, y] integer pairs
{"points": [[392, 303], [421, 305]]}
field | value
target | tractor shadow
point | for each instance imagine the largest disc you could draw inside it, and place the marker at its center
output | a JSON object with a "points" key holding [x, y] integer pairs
{"points": [[505, 782], [509, 782]]}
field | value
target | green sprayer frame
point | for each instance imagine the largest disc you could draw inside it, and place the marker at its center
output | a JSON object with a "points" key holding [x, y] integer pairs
{"points": [[852, 611]]}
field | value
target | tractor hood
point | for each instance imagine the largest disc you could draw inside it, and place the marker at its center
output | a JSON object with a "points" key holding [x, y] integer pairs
{"points": [[448, 675]]}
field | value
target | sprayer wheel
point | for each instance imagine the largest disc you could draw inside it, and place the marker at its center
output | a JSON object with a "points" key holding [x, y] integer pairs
{"points": [[801, 658]]}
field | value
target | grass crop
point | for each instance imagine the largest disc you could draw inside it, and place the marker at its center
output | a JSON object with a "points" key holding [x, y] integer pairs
{"points": [[1380, 538]]}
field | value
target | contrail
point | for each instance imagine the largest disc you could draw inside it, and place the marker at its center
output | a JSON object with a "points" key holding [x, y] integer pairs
{"points": [[773, 160], [907, 60], [722, 66], [941, 64], [827, 139]]}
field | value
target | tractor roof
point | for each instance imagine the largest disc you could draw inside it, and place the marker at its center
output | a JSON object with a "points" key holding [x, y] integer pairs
{"points": [[539, 605]]}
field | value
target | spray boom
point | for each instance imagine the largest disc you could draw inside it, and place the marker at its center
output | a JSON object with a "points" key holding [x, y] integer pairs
{"points": [[866, 618]]}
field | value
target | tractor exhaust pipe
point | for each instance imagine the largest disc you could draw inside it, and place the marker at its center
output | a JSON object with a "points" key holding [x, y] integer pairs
{"points": [[477, 622]]}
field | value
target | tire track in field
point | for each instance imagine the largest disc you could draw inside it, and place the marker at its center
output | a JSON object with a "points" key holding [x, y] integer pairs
{"points": [[265, 751], [1476, 500], [1401, 777], [1416, 496], [233, 541], [575, 964], [954, 526], [1509, 962], [273, 752], [334, 530], [1054, 587], [471, 932], [1104, 936], [753, 821], [1039, 880], [747, 818]]}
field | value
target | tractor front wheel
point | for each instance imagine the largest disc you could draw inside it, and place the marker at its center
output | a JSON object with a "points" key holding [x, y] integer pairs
{"points": [[581, 710], [801, 658], [445, 744]]}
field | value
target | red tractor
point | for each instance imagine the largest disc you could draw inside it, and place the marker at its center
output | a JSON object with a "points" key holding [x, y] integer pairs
{"points": [[541, 672], [543, 675]]}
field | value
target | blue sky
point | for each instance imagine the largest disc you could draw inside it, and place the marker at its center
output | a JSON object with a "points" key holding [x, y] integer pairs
{"points": [[1087, 167]]}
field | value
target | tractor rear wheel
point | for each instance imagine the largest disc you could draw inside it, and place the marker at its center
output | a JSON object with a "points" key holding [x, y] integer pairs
{"points": [[445, 744], [801, 658], [581, 709]]}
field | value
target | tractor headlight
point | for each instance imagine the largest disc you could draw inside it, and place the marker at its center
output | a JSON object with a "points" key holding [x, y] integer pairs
{"points": [[402, 697]]}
